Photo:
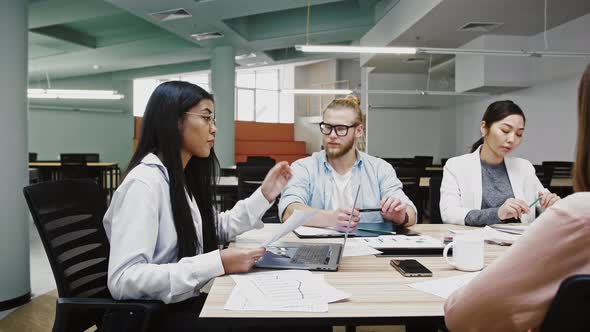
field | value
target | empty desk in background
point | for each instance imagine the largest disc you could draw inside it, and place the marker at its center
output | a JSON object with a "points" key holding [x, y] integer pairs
{"points": [[379, 294], [108, 180]]}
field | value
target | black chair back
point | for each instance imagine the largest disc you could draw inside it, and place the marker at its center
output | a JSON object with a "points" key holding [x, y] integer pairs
{"points": [[570, 309], [423, 161], [68, 216], [401, 162], [443, 161], [558, 169], [410, 179], [542, 176], [32, 156], [250, 177], [260, 160], [434, 200]]}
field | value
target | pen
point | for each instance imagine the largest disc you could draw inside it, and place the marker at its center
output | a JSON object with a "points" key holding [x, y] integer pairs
{"points": [[535, 202], [376, 231], [370, 210]]}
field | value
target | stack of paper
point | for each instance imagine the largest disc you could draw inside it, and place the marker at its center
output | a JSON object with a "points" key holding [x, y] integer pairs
{"points": [[444, 287], [289, 290]]}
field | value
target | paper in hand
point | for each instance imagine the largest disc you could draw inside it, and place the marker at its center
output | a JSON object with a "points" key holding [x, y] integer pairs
{"points": [[298, 218]]}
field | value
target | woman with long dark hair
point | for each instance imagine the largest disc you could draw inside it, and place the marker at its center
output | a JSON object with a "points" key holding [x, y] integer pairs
{"points": [[162, 227], [487, 186], [515, 291]]}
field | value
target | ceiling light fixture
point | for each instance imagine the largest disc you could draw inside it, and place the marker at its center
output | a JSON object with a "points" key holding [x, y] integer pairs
{"points": [[73, 94], [207, 35], [317, 91], [245, 56], [434, 50], [426, 93], [355, 49]]}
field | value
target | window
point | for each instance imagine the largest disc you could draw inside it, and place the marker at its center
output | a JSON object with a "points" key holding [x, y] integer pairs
{"points": [[258, 96]]}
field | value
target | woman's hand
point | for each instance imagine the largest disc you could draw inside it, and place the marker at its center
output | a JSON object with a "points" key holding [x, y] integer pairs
{"points": [[548, 199], [512, 208], [237, 260], [276, 179]]}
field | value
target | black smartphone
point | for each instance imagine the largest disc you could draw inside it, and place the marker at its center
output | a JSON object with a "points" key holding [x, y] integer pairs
{"points": [[410, 268]]}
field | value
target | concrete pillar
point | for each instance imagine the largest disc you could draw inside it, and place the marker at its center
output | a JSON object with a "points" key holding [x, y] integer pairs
{"points": [[223, 78], [15, 286]]}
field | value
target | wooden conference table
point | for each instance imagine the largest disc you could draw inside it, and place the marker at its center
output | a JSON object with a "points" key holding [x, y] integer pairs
{"points": [[380, 295]]}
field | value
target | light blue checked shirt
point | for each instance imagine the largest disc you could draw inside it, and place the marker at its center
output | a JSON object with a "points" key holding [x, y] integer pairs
{"points": [[312, 184]]}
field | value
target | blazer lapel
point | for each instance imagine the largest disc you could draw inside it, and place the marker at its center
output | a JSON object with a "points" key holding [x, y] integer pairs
{"points": [[474, 169], [514, 177]]}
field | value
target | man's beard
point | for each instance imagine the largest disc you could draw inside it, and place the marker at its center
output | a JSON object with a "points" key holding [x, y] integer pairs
{"points": [[340, 151]]}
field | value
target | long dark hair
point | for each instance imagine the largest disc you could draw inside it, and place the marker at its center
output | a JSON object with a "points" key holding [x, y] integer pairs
{"points": [[582, 165], [160, 135], [495, 112]]}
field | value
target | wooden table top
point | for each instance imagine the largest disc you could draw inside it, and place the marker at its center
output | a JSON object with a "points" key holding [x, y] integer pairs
{"points": [[379, 293]]}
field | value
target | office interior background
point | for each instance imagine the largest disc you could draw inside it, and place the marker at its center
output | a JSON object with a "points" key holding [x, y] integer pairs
{"points": [[246, 54]]}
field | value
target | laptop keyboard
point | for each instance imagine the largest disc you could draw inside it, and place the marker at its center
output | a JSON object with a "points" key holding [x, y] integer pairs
{"points": [[312, 255]]}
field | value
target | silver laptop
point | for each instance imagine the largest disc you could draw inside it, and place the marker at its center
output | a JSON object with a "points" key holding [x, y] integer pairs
{"points": [[306, 256]]}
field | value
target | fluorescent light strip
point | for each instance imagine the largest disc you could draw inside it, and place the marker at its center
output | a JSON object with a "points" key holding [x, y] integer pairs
{"points": [[434, 50], [73, 94], [425, 93], [317, 91], [355, 49]]}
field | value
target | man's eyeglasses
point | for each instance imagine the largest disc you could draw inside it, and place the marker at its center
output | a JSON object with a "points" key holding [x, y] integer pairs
{"points": [[210, 119], [341, 130]]}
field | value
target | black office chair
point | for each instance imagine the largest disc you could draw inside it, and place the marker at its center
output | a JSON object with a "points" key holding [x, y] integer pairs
{"points": [[434, 200], [260, 161], [558, 170], [32, 156], [542, 176], [570, 309], [68, 216], [443, 161], [250, 177], [423, 161], [410, 179]]}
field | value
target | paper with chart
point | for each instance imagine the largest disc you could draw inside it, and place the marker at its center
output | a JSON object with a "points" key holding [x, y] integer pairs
{"points": [[400, 241], [289, 290], [298, 218], [444, 287]]}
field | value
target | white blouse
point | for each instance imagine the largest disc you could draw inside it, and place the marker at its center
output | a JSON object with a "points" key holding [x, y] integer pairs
{"points": [[143, 240]]}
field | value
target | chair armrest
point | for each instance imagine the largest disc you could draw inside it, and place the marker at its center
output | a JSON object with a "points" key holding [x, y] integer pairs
{"points": [[69, 308], [109, 304]]}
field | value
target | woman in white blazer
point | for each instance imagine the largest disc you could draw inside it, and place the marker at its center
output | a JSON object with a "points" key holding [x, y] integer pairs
{"points": [[162, 227], [487, 186]]}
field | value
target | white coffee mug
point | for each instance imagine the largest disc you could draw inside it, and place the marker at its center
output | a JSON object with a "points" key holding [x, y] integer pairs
{"points": [[468, 253]]}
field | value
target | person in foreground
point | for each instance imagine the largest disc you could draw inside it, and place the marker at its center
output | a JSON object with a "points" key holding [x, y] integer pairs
{"points": [[328, 179], [487, 186], [515, 291], [161, 224]]}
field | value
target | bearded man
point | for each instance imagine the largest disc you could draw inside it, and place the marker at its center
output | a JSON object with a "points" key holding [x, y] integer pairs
{"points": [[327, 180]]}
